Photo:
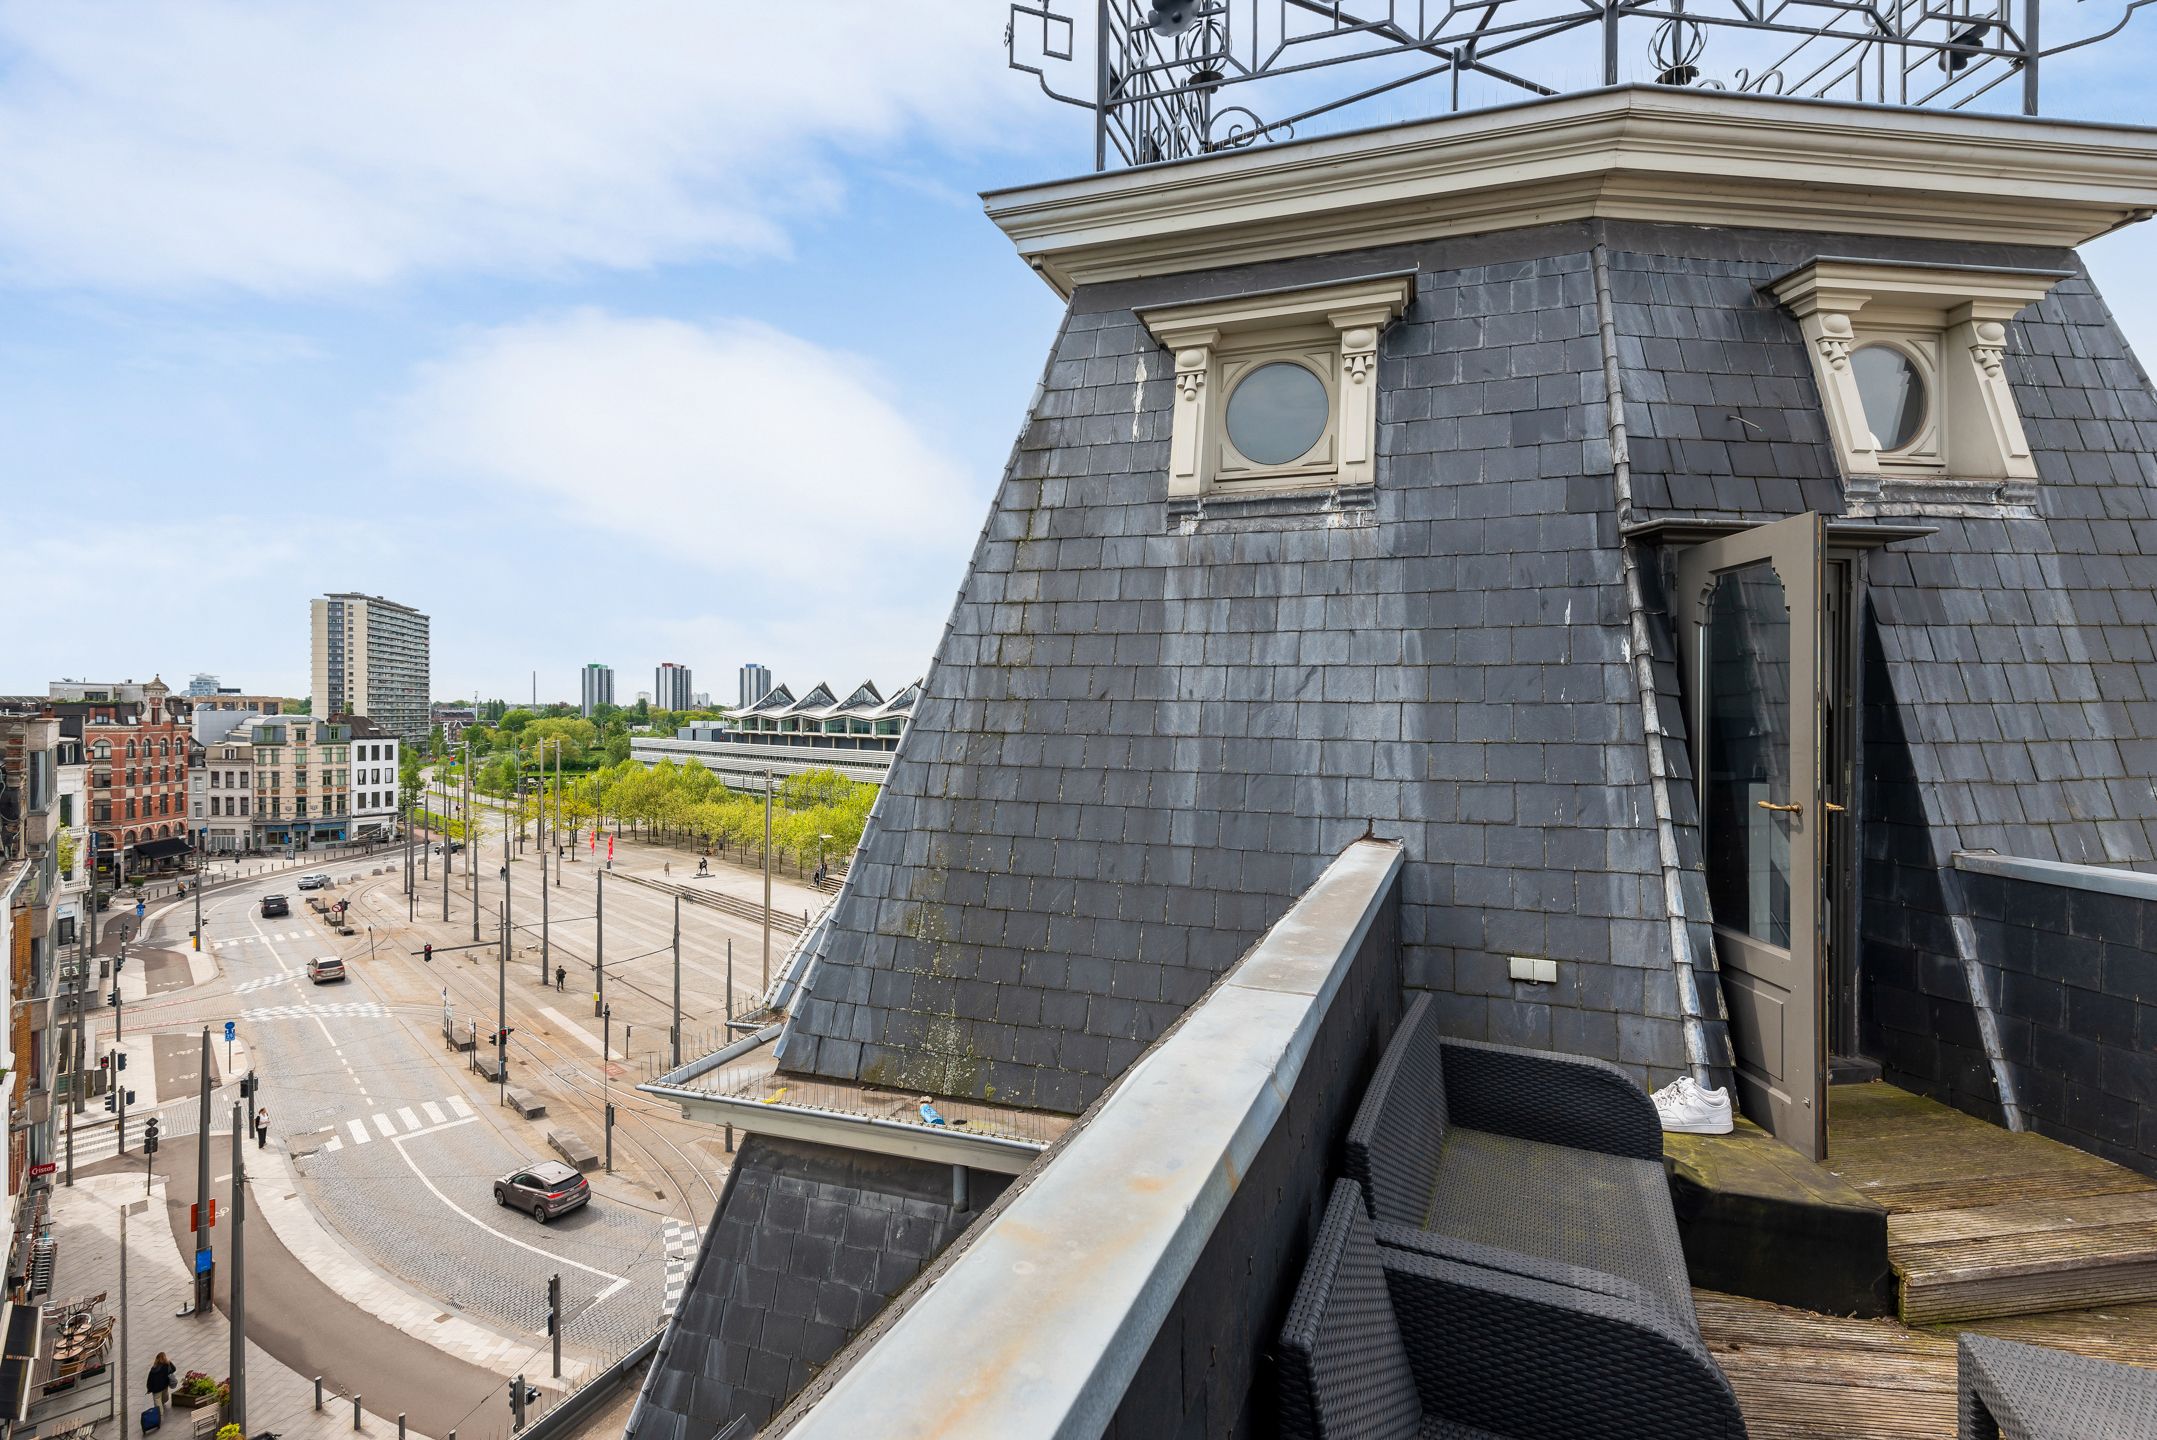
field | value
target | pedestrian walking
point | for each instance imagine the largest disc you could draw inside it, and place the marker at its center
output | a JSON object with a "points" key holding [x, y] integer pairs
{"points": [[262, 1127], [161, 1372], [560, 974]]}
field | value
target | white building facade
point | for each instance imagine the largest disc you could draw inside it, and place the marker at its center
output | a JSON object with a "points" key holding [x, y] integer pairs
{"points": [[374, 788]]}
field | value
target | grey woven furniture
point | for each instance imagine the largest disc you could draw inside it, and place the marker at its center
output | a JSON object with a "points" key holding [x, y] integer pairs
{"points": [[1385, 1342], [2033, 1393], [1525, 1155]]}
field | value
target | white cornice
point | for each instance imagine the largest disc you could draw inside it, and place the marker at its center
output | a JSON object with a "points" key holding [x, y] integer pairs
{"points": [[1633, 153]]}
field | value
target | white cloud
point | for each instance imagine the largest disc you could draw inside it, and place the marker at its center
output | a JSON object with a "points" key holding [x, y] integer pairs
{"points": [[311, 145], [240, 612], [775, 472]]}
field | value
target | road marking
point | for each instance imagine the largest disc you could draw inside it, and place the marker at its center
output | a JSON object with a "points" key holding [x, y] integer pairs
{"points": [[432, 1111], [381, 1123], [411, 1121], [619, 1280], [359, 1132], [570, 1027]]}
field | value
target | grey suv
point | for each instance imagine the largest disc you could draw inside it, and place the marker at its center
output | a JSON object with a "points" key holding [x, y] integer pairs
{"points": [[546, 1189]]}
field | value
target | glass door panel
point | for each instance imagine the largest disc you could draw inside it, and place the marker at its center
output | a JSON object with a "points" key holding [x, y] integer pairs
{"points": [[1748, 616]]}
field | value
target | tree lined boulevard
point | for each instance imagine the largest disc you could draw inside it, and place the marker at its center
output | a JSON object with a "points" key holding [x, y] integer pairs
{"points": [[409, 1198]]}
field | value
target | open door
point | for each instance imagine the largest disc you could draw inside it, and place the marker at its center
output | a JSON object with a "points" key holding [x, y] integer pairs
{"points": [[1748, 611]]}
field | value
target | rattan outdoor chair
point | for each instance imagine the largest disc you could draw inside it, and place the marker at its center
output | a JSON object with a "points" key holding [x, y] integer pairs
{"points": [[1384, 1342], [2031, 1392], [1552, 1158]]}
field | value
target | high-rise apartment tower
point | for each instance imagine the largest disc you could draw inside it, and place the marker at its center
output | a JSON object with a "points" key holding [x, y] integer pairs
{"points": [[371, 659], [597, 688], [755, 684], [670, 686]]}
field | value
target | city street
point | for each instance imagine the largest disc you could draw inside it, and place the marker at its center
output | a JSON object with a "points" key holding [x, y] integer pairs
{"points": [[387, 1142]]}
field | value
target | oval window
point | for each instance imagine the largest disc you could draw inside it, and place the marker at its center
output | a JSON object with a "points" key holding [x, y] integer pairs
{"points": [[1277, 414], [1892, 392]]}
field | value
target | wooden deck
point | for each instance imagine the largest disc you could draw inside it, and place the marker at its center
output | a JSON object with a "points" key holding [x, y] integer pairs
{"points": [[1984, 1222], [1801, 1376], [2009, 1235]]}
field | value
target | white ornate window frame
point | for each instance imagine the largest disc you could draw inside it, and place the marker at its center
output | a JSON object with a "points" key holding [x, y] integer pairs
{"points": [[1950, 321], [1331, 330]]}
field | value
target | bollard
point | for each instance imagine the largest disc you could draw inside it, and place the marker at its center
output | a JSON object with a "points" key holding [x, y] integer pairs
{"points": [[318, 1392], [355, 1412]]}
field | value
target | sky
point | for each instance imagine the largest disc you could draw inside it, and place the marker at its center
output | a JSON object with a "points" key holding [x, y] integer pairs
{"points": [[670, 331]]}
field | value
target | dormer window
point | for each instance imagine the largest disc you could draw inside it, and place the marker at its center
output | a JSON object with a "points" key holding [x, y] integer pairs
{"points": [[1278, 390], [1910, 363]]}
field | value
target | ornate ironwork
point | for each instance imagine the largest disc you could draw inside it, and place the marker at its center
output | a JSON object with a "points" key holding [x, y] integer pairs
{"points": [[1166, 79]]}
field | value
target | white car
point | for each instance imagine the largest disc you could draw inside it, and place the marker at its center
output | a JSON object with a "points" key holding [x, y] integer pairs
{"points": [[316, 881]]}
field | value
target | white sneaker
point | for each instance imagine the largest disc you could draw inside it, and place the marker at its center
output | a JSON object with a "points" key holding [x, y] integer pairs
{"points": [[1688, 1108]]}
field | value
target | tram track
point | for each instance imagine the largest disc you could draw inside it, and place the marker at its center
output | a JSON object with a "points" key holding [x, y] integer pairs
{"points": [[645, 1135]]}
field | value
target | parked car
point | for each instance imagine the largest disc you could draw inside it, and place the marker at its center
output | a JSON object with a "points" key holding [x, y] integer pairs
{"points": [[546, 1188], [275, 905], [324, 969], [316, 881]]}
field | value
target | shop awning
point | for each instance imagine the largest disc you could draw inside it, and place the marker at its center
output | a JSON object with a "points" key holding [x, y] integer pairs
{"points": [[160, 849]]}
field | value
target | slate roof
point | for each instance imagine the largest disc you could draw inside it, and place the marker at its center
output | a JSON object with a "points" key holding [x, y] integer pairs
{"points": [[807, 1245], [1136, 745]]}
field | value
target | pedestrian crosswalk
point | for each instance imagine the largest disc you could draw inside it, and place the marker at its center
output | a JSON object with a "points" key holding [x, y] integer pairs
{"points": [[343, 1009], [97, 1134], [680, 1239], [414, 1119], [238, 940]]}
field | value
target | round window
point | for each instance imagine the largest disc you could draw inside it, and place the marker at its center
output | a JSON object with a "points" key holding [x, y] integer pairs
{"points": [[1277, 413], [1893, 393]]}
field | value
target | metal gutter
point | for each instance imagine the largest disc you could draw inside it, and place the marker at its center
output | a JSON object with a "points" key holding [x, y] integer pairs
{"points": [[2098, 879], [943, 1145]]}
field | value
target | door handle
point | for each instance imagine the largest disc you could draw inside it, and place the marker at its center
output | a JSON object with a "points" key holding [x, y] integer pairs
{"points": [[1831, 807], [1780, 809]]}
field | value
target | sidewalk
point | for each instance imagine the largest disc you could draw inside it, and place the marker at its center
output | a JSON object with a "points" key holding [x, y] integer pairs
{"points": [[86, 1221]]}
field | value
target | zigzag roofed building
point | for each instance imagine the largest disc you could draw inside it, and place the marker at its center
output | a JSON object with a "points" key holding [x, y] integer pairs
{"points": [[1670, 576]]}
